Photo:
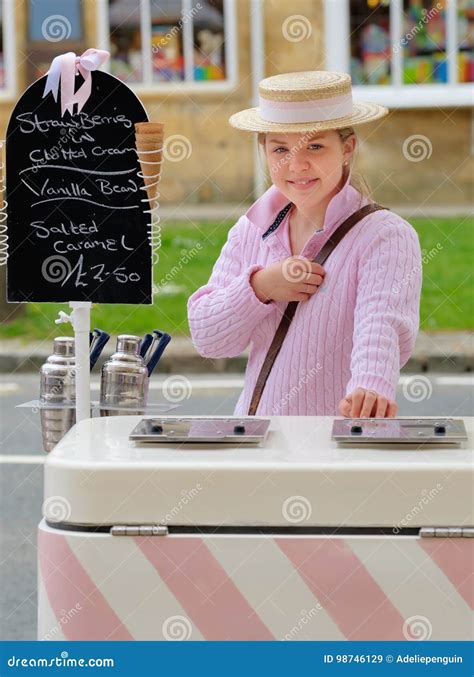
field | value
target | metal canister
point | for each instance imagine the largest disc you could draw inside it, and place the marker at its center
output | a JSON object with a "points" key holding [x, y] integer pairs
{"points": [[58, 386], [124, 380]]}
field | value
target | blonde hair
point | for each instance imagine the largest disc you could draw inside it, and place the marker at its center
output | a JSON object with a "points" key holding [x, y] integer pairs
{"points": [[357, 180]]}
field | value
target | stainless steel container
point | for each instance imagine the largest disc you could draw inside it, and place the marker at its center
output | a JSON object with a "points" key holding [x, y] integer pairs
{"points": [[124, 380], [58, 386]]}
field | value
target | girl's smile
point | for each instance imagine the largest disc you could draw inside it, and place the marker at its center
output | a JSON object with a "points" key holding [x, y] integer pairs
{"points": [[302, 184]]}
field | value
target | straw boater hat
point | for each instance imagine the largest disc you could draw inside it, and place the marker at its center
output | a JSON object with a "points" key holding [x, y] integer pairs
{"points": [[306, 101]]}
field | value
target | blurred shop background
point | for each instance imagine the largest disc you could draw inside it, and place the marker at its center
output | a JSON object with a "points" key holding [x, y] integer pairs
{"points": [[195, 62]]}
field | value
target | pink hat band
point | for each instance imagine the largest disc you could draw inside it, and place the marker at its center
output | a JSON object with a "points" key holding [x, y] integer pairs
{"points": [[317, 110]]}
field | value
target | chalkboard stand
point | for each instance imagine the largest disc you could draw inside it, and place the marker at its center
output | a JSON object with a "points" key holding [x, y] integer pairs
{"points": [[78, 233], [81, 321]]}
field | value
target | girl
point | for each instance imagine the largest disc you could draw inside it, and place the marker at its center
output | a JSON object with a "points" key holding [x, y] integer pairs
{"points": [[358, 314]]}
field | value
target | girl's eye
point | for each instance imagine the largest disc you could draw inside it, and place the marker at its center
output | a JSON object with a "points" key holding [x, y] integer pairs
{"points": [[280, 148], [316, 145]]}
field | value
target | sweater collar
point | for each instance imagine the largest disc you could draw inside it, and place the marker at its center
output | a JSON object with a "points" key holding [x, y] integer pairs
{"points": [[266, 209]]}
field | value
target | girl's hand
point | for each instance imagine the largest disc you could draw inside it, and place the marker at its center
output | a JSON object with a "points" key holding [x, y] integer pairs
{"points": [[362, 403], [294, 279]]}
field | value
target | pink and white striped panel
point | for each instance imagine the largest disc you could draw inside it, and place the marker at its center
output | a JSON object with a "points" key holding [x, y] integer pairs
{"points": [[98, 587]]}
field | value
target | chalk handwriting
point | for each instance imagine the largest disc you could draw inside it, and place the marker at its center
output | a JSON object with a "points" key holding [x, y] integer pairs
{"points": [[30, 122]]}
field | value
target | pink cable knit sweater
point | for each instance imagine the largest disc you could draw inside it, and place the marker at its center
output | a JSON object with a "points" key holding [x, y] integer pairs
{"points": [[357, 330]]}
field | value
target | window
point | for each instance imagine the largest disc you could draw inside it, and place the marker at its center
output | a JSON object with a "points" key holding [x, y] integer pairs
{"points": [[126, 60], [163, 43], [423, 44], [7, 50], [54, 20], [54, 27], [404, 53], [466, 40], [370, 43]]}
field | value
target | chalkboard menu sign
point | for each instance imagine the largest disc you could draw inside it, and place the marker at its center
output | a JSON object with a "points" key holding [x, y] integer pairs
{"points": [[77, 225]]}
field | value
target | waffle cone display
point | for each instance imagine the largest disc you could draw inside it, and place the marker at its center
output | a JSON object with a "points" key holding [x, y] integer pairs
{"points": [[149, 128], [149, 143]]}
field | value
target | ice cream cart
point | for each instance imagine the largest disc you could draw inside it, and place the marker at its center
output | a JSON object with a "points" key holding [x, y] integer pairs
{"points": [[279, 528]]}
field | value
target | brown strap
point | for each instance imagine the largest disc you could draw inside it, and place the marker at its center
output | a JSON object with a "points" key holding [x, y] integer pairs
{"points": [[290, 309]]}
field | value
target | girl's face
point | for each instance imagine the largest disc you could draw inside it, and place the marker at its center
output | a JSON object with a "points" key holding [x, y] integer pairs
{"points": [[307, 168]]}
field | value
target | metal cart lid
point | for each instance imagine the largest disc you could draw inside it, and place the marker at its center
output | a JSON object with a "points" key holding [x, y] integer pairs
{"points": [[298, 477]]}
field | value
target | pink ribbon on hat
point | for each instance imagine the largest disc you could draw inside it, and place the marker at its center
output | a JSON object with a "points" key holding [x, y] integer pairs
{"points": [[316, 110], [63, 70]]}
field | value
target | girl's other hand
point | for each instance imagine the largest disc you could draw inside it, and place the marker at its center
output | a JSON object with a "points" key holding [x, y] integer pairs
{"points": [[362, 403], [294, 279]]}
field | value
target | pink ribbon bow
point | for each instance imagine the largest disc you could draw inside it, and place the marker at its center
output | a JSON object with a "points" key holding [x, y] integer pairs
{"points": [[63, 70]]}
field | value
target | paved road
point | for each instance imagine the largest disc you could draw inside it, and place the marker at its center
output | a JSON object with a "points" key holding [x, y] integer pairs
{"points": [[20, 433], [21, 459]]}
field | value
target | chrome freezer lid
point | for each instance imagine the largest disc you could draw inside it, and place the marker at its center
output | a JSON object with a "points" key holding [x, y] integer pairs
{"points": [[442, 431], [298, 477], [188, 429]]}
